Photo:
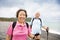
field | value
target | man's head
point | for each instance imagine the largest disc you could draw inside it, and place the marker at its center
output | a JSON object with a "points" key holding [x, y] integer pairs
{"points": [[37, 15]]}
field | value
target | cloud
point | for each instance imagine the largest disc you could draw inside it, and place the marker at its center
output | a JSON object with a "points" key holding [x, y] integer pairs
{"points": [[8, 12], [10, 3], [47, 8], [50, 10]]}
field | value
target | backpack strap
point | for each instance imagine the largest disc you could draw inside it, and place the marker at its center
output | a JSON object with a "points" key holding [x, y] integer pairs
{"points": [[32, 22], [13, 25], [27, 25], [40, 21]]}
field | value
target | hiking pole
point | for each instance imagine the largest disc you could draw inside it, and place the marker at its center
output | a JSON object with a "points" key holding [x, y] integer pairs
{"points": [[47, 30]]}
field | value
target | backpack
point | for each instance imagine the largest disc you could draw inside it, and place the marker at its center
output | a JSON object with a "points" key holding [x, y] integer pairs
{"points": [[13, 26], [33, 20]]}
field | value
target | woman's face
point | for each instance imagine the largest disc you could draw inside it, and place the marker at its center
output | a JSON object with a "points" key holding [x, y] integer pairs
{"points": [[21, 16]]}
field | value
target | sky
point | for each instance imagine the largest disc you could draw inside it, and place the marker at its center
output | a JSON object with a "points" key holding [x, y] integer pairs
{"points": [[49, 9]]}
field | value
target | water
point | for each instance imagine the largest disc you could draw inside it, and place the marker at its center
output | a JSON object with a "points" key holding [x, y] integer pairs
{"points": [[3, 29], [54, 27]]}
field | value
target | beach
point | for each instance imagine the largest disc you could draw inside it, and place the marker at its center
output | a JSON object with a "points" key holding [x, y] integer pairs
{"points": [[4, 27]]}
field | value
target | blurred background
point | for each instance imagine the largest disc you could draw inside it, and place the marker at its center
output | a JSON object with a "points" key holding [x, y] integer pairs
{"points": [[49, 10]]}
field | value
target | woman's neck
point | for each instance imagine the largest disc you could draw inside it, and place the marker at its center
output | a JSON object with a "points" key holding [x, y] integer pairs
{"points": [[21, 23]]}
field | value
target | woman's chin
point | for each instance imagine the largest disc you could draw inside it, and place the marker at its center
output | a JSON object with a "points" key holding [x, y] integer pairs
{"points": [[22, 21]]}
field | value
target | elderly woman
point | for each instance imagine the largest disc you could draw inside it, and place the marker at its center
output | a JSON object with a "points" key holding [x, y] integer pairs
{"points": [[20, 32]]}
